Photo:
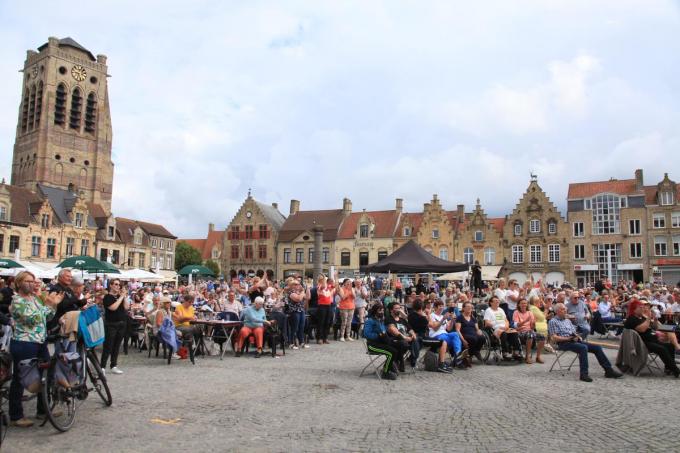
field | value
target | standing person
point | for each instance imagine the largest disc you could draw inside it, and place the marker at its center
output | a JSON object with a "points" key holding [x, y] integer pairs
{"points": [[360, 302], [29, 339], [398, 294], [116, 306], [296, 308], [324, 315], [512, 296], [346, 307], [477, 279], [70, 302], [500, 293]]}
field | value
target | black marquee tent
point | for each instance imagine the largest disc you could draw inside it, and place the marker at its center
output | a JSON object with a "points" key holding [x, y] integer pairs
{"points": [[412, 258]]}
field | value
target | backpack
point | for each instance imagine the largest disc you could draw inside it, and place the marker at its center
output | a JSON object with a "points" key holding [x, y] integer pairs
{"points": [[431, 360]]}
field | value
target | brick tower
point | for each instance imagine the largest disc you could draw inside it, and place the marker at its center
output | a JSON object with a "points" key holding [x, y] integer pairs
{"points": [[64, 129]]}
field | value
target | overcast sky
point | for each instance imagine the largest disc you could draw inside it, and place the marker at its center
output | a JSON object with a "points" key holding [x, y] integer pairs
{"points": [[368, 100]]}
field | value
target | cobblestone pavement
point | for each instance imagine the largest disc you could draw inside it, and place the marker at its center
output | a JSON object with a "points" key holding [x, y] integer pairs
{"points": [[313, 400]]}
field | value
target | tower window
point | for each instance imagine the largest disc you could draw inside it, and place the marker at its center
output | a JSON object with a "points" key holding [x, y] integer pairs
{"points": [[72, 159], [60, 105], [93, 80], [31, 109], [76, 109], [62, 70], [24, 113], [90, 112], [57, 156], [38, 105], [87, 162]]}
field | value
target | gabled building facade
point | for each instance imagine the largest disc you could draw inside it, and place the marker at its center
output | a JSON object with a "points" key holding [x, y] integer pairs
{"points": [[536, 240], [663, 228], [477, 237]]}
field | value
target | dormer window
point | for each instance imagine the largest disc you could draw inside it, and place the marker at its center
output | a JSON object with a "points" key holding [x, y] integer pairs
{"points": [[78, 221], [518, 229], [162, 245], [110, 232], [363, 230], [435, 233], [45, 221], [479, 236], [666, 198], [138, 238], [407, 231]]}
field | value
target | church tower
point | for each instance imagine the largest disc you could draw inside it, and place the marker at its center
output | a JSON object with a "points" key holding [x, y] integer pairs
{"points": [[63, 134]]}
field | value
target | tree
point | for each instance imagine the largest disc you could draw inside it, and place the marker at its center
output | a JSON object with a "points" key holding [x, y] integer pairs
{"points": [[213, 266], [186, 254]]}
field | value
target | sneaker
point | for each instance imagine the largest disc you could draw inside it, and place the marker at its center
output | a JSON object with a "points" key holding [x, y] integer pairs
{"points": [[612, 373], [586, 378], [305, 345], [442, 368], [389, 376], [116, 370], [258, 354], [176, 356], [342, 339], [104, 372], [57, 413], [350, 339], [294, 348], [22, 423]]}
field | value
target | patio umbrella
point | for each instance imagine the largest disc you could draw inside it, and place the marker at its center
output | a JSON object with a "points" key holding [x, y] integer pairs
{"points": [[9, 264], [89, 264], [196, 269]]}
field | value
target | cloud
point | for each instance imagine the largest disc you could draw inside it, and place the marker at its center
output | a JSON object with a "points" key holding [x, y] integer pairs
{"points": [[317, 101]]}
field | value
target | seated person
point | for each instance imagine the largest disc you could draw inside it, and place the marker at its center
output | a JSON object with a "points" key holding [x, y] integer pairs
{"points": [[525, 324], [401, 332], [472, 337], [254, 320], [231, 305], [496, 320], [378, 342], [642, 323], [564, 333], [184, 313], [440, 324], [579, 314]]}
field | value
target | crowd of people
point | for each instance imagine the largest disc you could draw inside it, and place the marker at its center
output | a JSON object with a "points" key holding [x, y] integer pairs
{"points": [[396, 318]]}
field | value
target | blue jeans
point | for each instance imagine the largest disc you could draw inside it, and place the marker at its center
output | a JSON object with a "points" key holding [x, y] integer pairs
{"points": [[297, 327], [22, 350], [452, 340], [582, 349], [612, 319]]}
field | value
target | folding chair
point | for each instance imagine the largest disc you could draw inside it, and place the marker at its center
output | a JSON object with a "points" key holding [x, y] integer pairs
{"points": [[373, 357], [560, 361]]}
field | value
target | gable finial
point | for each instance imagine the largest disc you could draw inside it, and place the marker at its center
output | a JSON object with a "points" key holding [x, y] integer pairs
{"points": [[534, 177], [248, 192]]}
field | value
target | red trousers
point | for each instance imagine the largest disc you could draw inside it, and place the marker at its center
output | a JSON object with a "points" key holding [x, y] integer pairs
{"points": [[245, 332]]}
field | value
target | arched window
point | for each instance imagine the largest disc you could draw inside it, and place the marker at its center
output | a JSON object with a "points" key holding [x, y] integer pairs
{"points": [[468, 255], [58, 173], [31, 108], [83, 178], [60, 105], [444, 253], [38, 105], [91, 113], [24, 112], [76, 109]]}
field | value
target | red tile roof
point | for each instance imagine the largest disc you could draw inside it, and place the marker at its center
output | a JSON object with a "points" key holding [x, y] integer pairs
{"points": [[206, 245], [588, 189], [21, 200], [415, 219], [651, 192], [385, 223], [498, 223]]}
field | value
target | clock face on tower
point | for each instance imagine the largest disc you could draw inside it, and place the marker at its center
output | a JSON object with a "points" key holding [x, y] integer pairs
{"points": [[79, 73], [249, 214]]}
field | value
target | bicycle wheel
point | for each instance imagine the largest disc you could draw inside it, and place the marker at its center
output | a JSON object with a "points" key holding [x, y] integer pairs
{"points": [[94, 371], [58, 401]]}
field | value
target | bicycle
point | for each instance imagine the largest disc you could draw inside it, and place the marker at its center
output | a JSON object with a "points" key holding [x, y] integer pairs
{"points": [[60, 394]]}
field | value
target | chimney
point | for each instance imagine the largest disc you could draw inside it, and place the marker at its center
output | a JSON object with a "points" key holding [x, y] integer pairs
{"points": [[275, 206], [460, 211], [400, 204], [346, 206], [52, 42], [426, 206], [211, 227], [294, 207], [639, 180]]}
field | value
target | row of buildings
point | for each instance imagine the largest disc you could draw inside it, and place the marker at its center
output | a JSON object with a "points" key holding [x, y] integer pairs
{"points": [[59, 201], [618, 229]]}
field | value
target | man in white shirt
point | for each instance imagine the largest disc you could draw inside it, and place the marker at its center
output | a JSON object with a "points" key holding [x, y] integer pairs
{"points": [[511, 298]]}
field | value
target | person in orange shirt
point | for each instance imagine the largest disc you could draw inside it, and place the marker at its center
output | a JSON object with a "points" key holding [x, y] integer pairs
{"points": [[346, 308]]}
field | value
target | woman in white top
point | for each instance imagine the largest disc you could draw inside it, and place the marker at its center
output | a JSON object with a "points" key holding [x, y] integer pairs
{"points": [[496, 320], [440, 324]]}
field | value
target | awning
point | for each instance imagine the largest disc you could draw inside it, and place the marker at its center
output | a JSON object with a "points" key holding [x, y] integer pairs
{"points": [[167, 274], [489, 273]]}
